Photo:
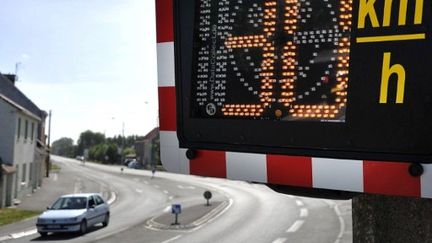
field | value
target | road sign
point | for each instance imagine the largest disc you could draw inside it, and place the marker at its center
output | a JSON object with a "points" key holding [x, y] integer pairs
{"points": [[336, 78], [176, 209]]}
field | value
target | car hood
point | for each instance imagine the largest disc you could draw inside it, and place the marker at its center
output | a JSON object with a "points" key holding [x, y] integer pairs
{"points": [[55, 214]]}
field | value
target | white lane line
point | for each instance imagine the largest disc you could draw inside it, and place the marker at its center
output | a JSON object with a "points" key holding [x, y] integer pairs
{"points": [[5, 238], [296, 226], [299, 203], [139, 190], [280, 240], [23, 234], [186, 187], [304, 212], [165, 191], [342, 226], [172, 239], [341, 223]]}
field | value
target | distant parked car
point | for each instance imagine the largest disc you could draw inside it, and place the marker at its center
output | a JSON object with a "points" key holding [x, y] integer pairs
{"points": [[127, 161], [74, 213], [135, 165]]}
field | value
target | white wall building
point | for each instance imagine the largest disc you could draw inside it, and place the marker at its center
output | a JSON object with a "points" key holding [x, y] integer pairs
{"points": [[18, 138]]}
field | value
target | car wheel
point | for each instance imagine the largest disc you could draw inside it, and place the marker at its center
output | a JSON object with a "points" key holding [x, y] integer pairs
{"points": [[106, 220], [43, 234], [83, 227]]}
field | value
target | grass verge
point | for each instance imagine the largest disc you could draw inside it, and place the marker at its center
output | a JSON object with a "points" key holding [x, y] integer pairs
{"points": [[54, 167], [12, 215]]}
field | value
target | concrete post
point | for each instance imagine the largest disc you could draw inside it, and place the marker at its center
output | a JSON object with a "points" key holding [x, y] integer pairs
{"points": [[378, 218]]}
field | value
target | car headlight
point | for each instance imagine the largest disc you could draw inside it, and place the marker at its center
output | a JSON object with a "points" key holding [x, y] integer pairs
{"points": [[72, 219]]}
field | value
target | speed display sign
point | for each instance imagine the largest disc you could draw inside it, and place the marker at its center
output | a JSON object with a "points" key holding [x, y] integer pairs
{"points": [[330, 78]]}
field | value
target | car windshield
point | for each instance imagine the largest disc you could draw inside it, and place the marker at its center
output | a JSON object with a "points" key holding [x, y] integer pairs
{"points": [[64, 203]]}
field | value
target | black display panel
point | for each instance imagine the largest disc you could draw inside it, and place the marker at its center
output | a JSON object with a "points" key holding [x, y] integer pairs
{"points": [[329, 78], [283, 60]]}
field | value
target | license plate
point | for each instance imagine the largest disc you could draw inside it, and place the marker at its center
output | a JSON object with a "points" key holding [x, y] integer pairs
{"points": [[53, 226]]}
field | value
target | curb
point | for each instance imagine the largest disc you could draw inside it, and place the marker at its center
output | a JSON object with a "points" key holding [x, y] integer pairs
{"points": [[208, 217]]}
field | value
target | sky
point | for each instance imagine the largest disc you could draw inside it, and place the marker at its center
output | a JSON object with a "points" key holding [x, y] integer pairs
{"points": [[91, 62]]}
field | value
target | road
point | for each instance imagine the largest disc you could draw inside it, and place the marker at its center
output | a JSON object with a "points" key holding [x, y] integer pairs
{"points": [[240, 211]]}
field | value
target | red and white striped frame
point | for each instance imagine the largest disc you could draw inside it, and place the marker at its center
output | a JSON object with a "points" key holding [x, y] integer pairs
{"points": [[387, 178]]}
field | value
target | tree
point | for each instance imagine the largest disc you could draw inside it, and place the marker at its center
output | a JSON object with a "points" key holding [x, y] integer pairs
{"points": [[89, 139], [63, 147], [104, 152]]}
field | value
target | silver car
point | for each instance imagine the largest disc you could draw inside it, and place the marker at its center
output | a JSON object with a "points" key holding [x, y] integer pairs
{"points": [[74, 213]]}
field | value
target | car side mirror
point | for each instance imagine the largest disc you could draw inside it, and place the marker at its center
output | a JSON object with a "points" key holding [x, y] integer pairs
{"points": [[48, 207]]}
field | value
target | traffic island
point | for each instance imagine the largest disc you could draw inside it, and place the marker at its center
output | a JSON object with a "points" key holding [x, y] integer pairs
{"points": [[190, 217]]}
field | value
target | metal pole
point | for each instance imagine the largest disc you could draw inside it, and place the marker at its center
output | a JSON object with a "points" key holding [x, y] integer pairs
{"points": [[47, 160], [49, 129]]}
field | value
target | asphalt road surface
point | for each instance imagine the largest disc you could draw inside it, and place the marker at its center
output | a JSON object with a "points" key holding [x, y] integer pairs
{"points": [[240, 211]]}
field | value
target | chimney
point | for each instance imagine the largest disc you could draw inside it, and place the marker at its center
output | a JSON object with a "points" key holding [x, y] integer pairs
{"points": [[11, 77]]}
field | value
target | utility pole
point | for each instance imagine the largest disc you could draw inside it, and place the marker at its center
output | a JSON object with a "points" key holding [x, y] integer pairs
{"points": [[49, 129], [123, 143], [47, 161], [17, 66]]}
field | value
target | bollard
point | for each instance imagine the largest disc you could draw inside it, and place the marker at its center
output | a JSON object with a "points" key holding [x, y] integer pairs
{"points": [[207, 195]]}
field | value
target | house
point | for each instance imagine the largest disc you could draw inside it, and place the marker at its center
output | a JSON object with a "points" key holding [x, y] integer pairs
{"points": [[146, 151], [22, 143]]}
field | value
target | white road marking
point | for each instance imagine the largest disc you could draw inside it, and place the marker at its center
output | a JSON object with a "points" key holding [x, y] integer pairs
{"points": [[5, 238], [165, 191], [139, 190], [296, 226], [112, 198], [304, 213], [335, 207], [186, 187], [341, 223], [171, 198], [280, 240], [172, 239], [23, 234], [167, 209], [299, 203], [78, 186]]}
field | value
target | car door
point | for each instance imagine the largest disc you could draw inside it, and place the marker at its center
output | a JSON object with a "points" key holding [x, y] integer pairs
{"points": [[91, 211], [101, 208]]}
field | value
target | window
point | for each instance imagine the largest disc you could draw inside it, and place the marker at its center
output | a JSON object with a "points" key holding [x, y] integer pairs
{"points": [[91, 202], [24, 173], [19, 128], [32, 131], [99, 200], [26, 130]]}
